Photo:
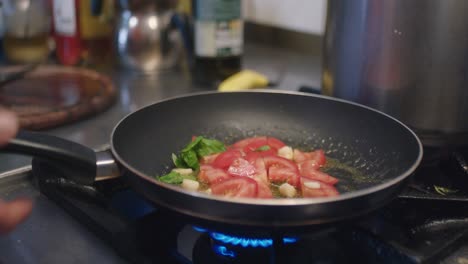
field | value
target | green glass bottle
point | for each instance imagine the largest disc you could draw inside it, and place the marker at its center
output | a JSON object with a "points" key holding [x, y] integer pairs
{"points": [[218, 40]]}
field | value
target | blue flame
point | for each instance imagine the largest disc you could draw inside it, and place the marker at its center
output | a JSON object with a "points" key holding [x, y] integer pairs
{"points": [[200, 229], [289, 240], [222, 250], [244, 241]]}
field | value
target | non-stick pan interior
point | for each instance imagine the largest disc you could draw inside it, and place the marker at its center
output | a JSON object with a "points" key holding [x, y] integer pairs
{"points": [[371, 147]]}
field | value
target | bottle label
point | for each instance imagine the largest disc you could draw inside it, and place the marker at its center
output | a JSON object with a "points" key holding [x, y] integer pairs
{"points": [[218, 28], [65, 17]]}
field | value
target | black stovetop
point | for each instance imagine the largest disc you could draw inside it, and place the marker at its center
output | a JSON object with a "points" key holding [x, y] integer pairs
{"points": [[426, 224]]}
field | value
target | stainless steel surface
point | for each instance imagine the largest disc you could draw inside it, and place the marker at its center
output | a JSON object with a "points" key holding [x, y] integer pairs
{"points": [[106, 166], [406, 58], [49, 235], [145, 38]]}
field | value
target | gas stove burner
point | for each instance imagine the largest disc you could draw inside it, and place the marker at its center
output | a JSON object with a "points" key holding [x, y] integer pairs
{"points": [[244, 241]]}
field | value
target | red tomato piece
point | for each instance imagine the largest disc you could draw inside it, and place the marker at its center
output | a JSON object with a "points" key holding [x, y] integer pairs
{"points": [[225, 159], [211, 175], [279, 162], [275, 143], [317, 157], [209, 158], [255, 159], [252, 156], [241, 167], [319, 176], [280, 175], [244, 142], [254, 145], [308, 165], [264, 190], [236, 187], [318, 189]]}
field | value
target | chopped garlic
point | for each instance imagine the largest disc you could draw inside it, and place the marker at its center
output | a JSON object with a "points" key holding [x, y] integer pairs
{"points": [[286, 152], [287, 190], [183, 171], [190, 185], [312, 184]]}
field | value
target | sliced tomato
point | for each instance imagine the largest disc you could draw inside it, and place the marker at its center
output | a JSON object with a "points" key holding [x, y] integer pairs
{"points": [[241, 167], [279, 162], [209, 159], [275, 143], [264, 190], [281, 175], [225, 159], [236, 187], [317, 189], [210, 174], [260, 141], [319, 176], [317, 157], [255, 159], [308, 165], [252, 156], [255, 145]]}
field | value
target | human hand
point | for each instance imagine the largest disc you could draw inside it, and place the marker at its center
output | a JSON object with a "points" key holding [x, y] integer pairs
{"points": [[14, 212]]}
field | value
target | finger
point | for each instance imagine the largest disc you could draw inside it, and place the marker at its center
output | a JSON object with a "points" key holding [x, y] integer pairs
{"points": [[8, 126], [13, 213]]}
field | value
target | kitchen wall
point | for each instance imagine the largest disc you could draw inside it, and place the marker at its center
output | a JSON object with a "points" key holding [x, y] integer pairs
{"points": [[306, 16]]}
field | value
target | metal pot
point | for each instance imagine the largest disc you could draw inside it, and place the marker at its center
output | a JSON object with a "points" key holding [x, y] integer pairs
{"points": [[406, 58], [146, 37]]}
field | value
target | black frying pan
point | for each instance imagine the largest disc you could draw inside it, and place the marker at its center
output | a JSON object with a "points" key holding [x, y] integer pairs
{"points": [[382, 149]]}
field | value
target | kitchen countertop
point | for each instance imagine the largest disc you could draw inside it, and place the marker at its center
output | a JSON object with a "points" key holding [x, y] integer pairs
{"points": [[50, 235], [288, 68]]}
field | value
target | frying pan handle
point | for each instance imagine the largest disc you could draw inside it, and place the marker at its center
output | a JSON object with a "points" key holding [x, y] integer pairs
{"points": [[77, 162]]}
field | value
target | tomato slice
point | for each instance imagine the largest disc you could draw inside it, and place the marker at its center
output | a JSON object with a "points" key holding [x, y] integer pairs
{"points": [[256, 159], [312, 188], [225, 159], [275, 143], [264, 190], [319, 176], [308, 165], [279, 162], [241, 167], [317, 157], [260, 141], [209, 159], [236, 186], [211, 175], [281, 175]]}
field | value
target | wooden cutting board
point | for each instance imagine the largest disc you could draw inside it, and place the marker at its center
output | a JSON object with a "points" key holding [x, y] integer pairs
{"points": [[51, 96]]}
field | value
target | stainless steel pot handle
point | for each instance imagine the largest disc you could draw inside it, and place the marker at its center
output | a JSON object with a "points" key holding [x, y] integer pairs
{"points": [[107, 167]]}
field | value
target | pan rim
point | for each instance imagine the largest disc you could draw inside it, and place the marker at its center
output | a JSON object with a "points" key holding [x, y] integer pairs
{"points": [[273, 201]]}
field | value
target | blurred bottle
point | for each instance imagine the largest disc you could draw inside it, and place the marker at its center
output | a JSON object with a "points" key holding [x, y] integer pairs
{"points": [[67, 31], [218, 40], [27, 27], [96, 30]]}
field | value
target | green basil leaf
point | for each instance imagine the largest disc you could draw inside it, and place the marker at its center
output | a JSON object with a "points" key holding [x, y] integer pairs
{"points": [[172, 178], [190, 158], [263, 148], [209, 146], [192, 144], [178, 162]]}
